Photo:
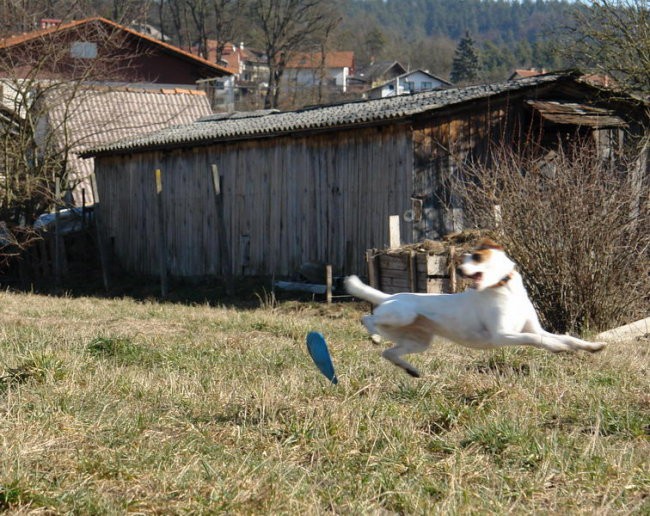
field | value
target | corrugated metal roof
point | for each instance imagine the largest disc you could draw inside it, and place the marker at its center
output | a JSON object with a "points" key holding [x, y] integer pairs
{"points": [[319, 118]]}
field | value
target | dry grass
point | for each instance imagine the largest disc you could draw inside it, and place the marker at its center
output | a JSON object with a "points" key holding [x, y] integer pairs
{"points": [[113, 406]]}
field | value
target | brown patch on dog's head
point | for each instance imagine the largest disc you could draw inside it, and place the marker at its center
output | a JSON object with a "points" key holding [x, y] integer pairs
{"points": [[488, 243], [481, 254]]}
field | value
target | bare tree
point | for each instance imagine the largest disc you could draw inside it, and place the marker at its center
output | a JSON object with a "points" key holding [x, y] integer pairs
{"points": [[35, 76], [577, 225], [200, 12], [176, 12], [226, 23], [216, 20], [287, 26], [612, 37]]}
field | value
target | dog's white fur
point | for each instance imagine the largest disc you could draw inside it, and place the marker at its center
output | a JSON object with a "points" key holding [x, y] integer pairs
{"points": [[495, 312]]}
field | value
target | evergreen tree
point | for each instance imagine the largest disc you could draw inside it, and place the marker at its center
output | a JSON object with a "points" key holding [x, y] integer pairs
{"points": [[465, 66]]}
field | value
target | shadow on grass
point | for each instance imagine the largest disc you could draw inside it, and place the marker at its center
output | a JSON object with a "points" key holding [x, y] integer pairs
{"points": [[244, 293]]}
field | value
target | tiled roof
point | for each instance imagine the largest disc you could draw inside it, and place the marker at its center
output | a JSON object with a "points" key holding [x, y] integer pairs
{"points": [[333, 59], [12, 41], [380, 71], [98, 116], [232, 54], [526, 72], [320, 118]]}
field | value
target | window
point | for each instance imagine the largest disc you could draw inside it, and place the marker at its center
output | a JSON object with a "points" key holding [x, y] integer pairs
{"points": [[427, 85], [83, 50], [409, 86]]}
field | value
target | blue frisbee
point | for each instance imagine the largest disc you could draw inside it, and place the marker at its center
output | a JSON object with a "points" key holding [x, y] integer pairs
{"points": [[317, 348]]}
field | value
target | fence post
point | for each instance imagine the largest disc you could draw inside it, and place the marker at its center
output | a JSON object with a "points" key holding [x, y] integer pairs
{"points": [[328, 283], [162, 240], [224, 248]]}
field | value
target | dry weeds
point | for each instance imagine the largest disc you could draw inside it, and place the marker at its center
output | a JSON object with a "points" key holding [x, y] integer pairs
{"points": [[114, 406]]}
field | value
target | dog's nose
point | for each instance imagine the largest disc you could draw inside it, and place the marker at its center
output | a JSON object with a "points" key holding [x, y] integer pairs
{"points": [[459, 271]]}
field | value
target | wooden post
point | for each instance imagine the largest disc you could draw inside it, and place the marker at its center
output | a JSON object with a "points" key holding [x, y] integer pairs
{"points": [[412, 267], [162, 240], [101, 243], [328, 283], [83, 209], [394, 238], [222, 234], [452, 268], [373, 277], [57, 234]]}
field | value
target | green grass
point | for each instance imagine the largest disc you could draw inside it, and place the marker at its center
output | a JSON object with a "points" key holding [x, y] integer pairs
{"points": [[114, 406]]}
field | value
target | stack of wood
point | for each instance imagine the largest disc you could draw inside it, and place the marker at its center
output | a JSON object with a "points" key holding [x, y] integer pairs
{"points": [[428, 266]]}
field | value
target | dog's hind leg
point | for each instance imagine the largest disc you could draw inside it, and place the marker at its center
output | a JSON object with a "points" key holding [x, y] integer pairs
{"points": [[412, 338], [394, 355], [387, 317], [368, 322]]}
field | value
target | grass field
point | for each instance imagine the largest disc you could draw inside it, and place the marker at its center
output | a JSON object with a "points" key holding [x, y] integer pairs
{"points": [[115, 406]]}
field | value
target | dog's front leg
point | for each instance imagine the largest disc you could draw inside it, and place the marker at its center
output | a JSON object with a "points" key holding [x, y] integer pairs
{"points": [[546, 341], [574, 343]]}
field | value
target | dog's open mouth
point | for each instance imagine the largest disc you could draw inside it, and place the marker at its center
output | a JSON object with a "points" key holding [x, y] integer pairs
{"points": [[476, 279]]}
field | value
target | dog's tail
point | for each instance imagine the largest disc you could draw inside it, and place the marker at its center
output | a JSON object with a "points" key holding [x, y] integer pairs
{"points": [[357, 288]]}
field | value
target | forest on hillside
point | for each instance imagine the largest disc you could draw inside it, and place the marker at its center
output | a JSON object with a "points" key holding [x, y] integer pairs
{"points": [[606, 36], [417, 33], [425, 33]]}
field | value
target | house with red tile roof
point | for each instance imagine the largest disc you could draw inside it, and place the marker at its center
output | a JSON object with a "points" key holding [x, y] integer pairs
{"points": [[142, 58], [332, 69], [101, 81]]}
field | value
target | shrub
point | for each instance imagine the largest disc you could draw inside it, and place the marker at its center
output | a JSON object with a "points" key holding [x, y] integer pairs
{"points": [[576, 224]]}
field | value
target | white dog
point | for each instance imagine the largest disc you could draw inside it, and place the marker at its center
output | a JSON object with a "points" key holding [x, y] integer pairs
{"points": [[494, 312]]}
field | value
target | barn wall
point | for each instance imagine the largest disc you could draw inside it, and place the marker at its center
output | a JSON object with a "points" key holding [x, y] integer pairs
{"points": [[286, 201], [441, 146]]}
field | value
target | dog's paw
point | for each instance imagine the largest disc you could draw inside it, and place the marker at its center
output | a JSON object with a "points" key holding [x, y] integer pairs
{"points": [[413, 372], [375, 338], [596, 347]]}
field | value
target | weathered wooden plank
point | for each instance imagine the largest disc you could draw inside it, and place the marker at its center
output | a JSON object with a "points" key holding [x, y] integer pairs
{"points": [[389, 262], [324, 198]]}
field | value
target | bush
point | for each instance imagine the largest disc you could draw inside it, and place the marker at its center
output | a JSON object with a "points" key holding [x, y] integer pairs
{"points": [[577, 226]]}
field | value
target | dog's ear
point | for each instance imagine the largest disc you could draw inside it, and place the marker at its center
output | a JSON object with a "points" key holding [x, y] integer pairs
{"points": [[488, 243]]}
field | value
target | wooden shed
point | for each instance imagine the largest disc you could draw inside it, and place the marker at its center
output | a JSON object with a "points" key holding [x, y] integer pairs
{"points": [[263, 193]]}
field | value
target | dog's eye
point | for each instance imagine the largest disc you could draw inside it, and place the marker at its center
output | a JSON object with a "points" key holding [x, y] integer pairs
{"points": [[478, 257]]}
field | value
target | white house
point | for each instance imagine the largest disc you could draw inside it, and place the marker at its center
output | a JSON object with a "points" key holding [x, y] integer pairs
{"points": [[410, 82]]}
